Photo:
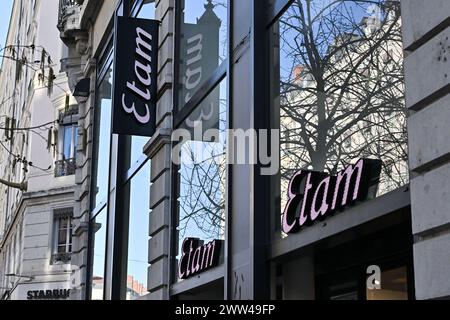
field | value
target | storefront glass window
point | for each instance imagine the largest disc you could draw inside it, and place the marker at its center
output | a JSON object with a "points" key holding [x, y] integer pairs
{"points": [[202, 170], [338, 90], [393, 286], [203, 44], [137, 149], [102, 139], [98, 229], [138, 234]]}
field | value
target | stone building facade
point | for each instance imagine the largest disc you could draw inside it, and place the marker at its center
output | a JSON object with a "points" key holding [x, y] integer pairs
{"points": [[401, 234], [426, 32], [38, 141]]}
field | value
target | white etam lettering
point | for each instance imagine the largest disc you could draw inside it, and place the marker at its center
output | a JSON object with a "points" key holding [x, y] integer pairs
{"points": [[141, 119], [145, 78], [141, 43], [143, 72], [144, 95]]}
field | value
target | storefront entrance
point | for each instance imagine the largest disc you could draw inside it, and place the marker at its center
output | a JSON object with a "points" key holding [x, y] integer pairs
{"points": [[371, 261], [375, 266]]}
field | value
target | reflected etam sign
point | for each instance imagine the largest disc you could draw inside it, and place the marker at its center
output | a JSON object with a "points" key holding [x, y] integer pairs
{"points": [[316, 195], [200, 55], [135, 76]]}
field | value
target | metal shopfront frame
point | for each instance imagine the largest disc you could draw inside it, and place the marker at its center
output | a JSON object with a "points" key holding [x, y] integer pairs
{"points": [[267, 252], [120, 176]]}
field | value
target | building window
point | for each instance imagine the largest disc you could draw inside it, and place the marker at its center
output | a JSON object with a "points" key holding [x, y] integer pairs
{"points": [[201, 114], [62, 235], [67, 143], [202, 173], [98, 255], [100, 177], [352, 105], [138, 227], [203, 44], [102, 135]]}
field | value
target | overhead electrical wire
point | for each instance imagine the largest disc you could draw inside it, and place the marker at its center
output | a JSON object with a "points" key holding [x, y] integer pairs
{"points": [[32, 128], [19, 158]]}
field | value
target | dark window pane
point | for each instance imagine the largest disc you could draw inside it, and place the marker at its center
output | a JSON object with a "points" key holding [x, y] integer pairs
{"points": [[63, 223], [394, 286], [62, 236]]}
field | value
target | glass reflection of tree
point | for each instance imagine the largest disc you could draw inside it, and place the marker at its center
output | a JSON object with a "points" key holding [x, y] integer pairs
{"points": [[222, 5], [202, 186], [342, 87]]}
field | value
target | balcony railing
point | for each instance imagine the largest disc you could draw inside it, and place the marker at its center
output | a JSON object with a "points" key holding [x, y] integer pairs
{"points": [[64, 9], [65, 168], [61, 258]]}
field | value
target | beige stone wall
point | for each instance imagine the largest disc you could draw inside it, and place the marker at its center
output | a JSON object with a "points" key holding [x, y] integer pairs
{"points": [[159, 149], [426, 34]]}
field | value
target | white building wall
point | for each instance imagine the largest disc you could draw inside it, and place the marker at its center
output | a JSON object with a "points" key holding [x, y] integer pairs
{"points": [[26, 217]]}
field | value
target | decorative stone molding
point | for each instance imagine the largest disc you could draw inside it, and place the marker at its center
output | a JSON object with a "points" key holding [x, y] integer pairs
{"points": [[161, 138]]}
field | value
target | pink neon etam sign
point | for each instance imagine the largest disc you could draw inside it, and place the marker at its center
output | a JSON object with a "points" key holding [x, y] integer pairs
{"points": [[315, 195]]}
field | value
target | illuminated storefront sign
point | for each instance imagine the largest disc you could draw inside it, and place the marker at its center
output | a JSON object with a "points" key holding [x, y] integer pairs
{"points": [[316, 195], [197, 257], [59, 294]]}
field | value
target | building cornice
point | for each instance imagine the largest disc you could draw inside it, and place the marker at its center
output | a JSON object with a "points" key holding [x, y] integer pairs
{"points": [[161, 138], [28, 198]]}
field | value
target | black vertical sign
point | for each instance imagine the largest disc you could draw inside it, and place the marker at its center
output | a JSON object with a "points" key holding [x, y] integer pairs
{"points": [[135, 76]]}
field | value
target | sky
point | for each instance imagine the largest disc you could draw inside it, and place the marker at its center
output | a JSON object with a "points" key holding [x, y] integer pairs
{"points": [[5, 12]]}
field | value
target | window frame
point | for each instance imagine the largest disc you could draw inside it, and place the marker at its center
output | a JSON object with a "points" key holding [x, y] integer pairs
{"points": [[181, 113], [276, 9], [379, 208], [68, 121], [105, 62], [114, 257], [58, 215]]}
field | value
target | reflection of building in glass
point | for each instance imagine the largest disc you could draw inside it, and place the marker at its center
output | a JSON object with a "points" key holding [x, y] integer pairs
{"points": [[344, 97], [202, 177], [97, 288], [202, 174], [135, 289]]}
